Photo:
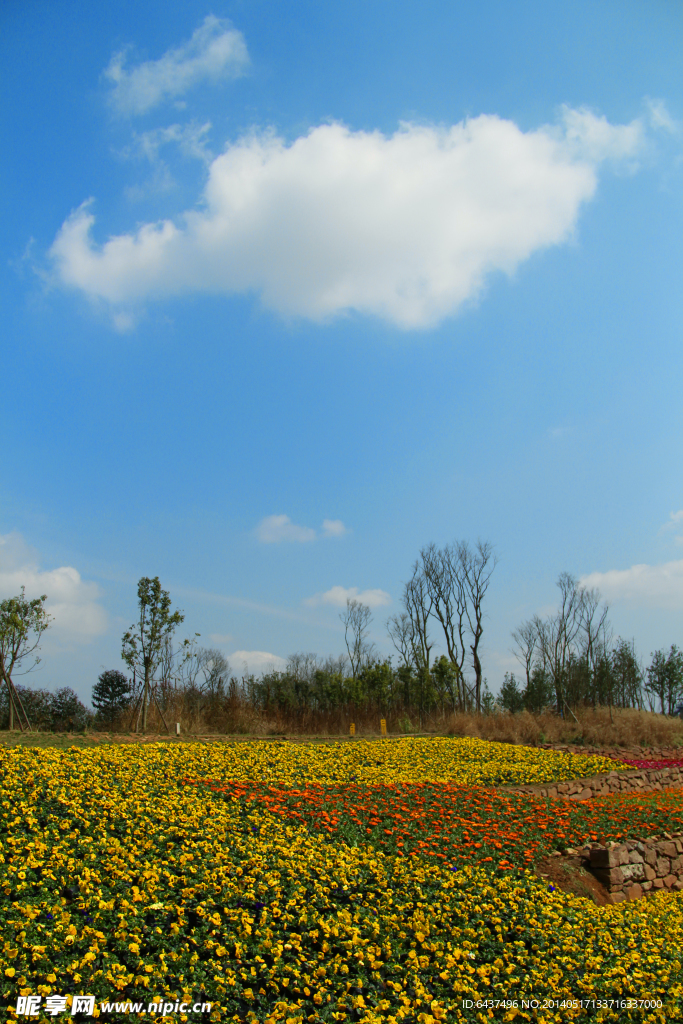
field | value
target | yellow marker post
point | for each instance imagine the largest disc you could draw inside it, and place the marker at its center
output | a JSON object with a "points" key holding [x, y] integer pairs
{"points": [[383, 726], [352, 729]]}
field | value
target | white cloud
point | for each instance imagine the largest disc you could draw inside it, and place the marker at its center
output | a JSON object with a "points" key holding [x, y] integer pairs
{"points": [[660, 116], [406, 227], [124, 321], [656, 586], [189, 138], [675, 518], [275, 529], [595, 139], [258, 662], [675, 523], [333, 528], [215, 51], [338, 596], [221, 638], [72, 602]]}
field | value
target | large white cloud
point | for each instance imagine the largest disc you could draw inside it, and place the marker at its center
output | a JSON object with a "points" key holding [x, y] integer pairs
{"points": [[215, 51], [338, 596], [654, 586], [72, 602], [405, 227]]}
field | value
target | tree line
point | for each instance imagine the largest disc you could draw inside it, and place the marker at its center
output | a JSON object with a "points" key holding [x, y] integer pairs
{"points": [[568, 659]]}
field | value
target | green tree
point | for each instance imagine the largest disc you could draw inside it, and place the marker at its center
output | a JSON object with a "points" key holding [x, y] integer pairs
{"points": [[143, 643], [22, 624], [539, 690], [665, 679], [511, 696], [69, 714], [110, 695]]}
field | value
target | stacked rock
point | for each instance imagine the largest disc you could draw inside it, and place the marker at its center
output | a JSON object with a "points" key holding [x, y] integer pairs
{"points": [[630, 869]]}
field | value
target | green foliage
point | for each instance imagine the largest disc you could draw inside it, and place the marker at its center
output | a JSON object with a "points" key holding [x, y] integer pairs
{"points": [[665, 679], [539, 692], [488, 701], [22, 623], [68, 713], [110, 696], [142, 644], [511, 696], [50, 712]]}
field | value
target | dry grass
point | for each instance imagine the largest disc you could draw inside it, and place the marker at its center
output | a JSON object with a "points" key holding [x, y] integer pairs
{"points": [[628, 728], [622, 728]]}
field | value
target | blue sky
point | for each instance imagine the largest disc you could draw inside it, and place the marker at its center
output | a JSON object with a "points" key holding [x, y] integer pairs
{"points": [[293, 290]]}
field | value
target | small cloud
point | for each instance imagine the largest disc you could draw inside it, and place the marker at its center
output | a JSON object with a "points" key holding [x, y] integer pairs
{"points": [[258, 662], [654, 586], [660, 117], [71, 601], [596, 139], [556, 433], [338, 596], [221, 639], [675, 523], [189, 138], [276, 529], [333, 528], [123, 321], [675, 518], [216, 51]]}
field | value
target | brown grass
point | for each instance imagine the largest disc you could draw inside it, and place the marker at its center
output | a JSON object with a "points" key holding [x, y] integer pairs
{"points": [[600, 728], [628, 728]]}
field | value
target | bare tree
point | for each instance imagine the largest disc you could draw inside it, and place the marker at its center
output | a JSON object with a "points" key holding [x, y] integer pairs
{"points": [[445, 581], [596, 630], [418, 603], [399, 628], [526, 643], [356, 619], [477, 568]]}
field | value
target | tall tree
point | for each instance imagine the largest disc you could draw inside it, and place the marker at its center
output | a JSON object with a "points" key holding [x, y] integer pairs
{"points": [[572, 647], [665, 679], [446, 586], [557, 635], [477, 567], [22, 624], [143, 643], [356, 618]]}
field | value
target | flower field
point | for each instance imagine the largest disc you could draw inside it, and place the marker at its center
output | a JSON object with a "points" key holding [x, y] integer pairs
{"points": [[366, 881]]}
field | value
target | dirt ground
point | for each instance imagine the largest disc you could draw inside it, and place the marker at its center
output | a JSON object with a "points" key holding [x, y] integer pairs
{"points": [[568, 874]]}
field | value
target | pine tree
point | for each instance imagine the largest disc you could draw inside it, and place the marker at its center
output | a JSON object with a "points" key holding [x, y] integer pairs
{"points": [[110, 696]]}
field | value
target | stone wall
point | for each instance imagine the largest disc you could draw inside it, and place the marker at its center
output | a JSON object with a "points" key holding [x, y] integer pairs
{"points": [[643, 780], [629, 870]]}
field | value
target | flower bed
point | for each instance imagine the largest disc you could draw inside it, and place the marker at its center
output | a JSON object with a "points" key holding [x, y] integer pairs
{"points": [[667, 762], [122, 880]]}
